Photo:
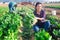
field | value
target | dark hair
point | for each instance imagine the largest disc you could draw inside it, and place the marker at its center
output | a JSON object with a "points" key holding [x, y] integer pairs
{"points": [[37, 4]]}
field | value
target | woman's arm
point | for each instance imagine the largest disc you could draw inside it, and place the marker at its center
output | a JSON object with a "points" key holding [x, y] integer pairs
{"points": [[40, 18]]}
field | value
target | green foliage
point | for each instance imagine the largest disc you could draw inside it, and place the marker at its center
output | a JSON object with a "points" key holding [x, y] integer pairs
{"points": [[57, 7], [9, 24], [54, 20], [42, 35], [27, 20], [56, 32]]}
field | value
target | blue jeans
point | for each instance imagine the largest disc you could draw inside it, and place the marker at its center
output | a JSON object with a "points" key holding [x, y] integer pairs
{"points": [[46, 25]]}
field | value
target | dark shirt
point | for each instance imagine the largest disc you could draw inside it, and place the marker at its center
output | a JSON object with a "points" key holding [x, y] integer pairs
{"points": [[42, 15]]}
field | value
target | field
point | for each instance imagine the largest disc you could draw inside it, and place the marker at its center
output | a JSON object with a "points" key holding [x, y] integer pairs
{"points": [[20, 23], [48, 7], [53, 6]]}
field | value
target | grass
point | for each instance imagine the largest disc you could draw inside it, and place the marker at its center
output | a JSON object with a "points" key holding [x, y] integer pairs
{"points": [[56, 7]]}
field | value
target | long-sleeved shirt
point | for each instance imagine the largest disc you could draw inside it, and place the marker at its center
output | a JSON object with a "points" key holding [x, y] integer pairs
{"points": [[42, 15]]}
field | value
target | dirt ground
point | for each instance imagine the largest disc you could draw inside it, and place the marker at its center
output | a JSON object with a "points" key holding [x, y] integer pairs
{"points": [[3, 5]]}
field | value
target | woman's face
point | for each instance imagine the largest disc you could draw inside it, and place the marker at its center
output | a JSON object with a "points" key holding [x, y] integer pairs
{"points": [[39, 7]]}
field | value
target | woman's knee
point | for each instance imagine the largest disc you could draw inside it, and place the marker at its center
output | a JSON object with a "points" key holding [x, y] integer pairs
{"points": [[36, 28], [48, 22]]}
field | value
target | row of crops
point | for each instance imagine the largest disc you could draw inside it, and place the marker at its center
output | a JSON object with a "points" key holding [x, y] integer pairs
{"points": [[56, 7], [20, 24]]}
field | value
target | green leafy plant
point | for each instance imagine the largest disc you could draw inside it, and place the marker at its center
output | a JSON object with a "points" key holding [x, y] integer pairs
{"points": [[42, 35], [27, 19], [54, 20], [9, 25]]}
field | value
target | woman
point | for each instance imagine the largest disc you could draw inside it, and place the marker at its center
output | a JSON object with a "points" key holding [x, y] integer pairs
{"points": [[40, 16]]}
